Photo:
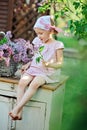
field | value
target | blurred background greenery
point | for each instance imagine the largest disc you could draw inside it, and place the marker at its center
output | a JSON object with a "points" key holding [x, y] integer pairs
{"points": [[75, 101]]}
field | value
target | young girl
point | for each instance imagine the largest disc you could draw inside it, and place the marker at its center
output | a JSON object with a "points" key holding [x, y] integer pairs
{"points": [[47, 70]]}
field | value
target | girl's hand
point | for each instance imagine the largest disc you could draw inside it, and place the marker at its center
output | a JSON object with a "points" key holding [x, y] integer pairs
{"points": [[45, 63], [25, 67]]}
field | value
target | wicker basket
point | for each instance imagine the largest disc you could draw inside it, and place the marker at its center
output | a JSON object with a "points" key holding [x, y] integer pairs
{"points": [[7, 71]]}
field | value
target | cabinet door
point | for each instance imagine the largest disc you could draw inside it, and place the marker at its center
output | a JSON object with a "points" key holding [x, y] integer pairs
{"points": [[33, 117], [5, 107]]}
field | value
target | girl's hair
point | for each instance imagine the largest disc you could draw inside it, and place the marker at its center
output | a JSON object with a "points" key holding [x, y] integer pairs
{"points": [[53, 24]]}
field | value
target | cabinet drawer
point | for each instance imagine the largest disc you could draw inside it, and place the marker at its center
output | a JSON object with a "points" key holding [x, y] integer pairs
{"points": [[7, 86]]}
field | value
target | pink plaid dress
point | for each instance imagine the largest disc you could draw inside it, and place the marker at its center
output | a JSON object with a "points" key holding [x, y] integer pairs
{"points": [[49, 54]]}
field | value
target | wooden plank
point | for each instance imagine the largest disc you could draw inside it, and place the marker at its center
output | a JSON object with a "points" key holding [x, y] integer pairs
{"points": [[3, 7], [4, 3], [3, 16], [3, 12], [2, 25], [50, 86], [4, 21], [2, 29], [10, 14], [9, 80]]}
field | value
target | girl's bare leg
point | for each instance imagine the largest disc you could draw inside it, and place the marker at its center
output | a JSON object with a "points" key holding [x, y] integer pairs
{"points": [[34, 85], [24, 81]]}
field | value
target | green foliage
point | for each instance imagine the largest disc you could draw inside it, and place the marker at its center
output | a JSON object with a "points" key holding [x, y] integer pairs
{"points": [[65, 9], [41, 48], [69, 42], [44, 8], [38, 59], [76, 4], [40, 55], [3, 40]]}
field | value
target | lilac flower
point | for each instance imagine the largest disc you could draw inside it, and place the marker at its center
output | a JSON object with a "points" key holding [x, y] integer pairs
{"points": [[16, 58], [19, 50], [8, 34], [24, 49]]}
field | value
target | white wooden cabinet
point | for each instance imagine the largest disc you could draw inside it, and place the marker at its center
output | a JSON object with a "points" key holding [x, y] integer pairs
{"points": [[5, 107], [42, 112], [33, 117]]}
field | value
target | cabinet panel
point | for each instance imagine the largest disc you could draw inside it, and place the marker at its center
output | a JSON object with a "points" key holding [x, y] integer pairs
{"points": [[7, 86], [33, 117], [5, 107]]}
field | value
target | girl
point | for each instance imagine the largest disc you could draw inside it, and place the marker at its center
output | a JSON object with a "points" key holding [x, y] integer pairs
{"points": [[46, 70]]}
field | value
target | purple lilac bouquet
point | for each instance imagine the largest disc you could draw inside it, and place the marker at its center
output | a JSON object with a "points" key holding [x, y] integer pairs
{"points": [[23, 51], [19, 50]]}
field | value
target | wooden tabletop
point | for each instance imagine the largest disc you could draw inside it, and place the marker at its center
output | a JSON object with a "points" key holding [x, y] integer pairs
{"points": [[50, 86]]}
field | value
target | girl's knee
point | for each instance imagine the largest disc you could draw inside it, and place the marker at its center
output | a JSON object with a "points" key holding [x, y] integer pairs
{"points": [[23, 83], [37, 82], [25, 80]]}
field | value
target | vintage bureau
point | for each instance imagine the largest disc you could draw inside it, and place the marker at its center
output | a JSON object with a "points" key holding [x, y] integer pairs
{"points": [[42, 112]]}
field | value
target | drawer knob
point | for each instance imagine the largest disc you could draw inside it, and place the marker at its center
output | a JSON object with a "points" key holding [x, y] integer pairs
{"points": [[12, 86]]}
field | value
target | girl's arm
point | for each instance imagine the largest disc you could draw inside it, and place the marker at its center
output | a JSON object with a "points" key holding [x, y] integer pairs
{"points": [[58, 64]]}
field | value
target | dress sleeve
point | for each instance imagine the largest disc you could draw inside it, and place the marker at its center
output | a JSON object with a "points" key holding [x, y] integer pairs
{"points": [[59, 45], [37, 43]]}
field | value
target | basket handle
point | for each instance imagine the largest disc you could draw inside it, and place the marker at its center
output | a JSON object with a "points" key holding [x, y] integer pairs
{"points": [[1, 32]]}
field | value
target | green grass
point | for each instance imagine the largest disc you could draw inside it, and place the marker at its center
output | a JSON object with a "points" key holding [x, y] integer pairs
{"points": [[75, 101], [69, 42]]}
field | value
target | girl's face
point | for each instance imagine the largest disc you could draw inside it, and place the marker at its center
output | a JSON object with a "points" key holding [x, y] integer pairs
{"points": [[43, 35]]}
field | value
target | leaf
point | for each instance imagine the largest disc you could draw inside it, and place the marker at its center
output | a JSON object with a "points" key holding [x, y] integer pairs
{"points": [[70, 23], [4, 40], [38, 59], [41, 48], [56, 15], [76, 4], [84, 10]]}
